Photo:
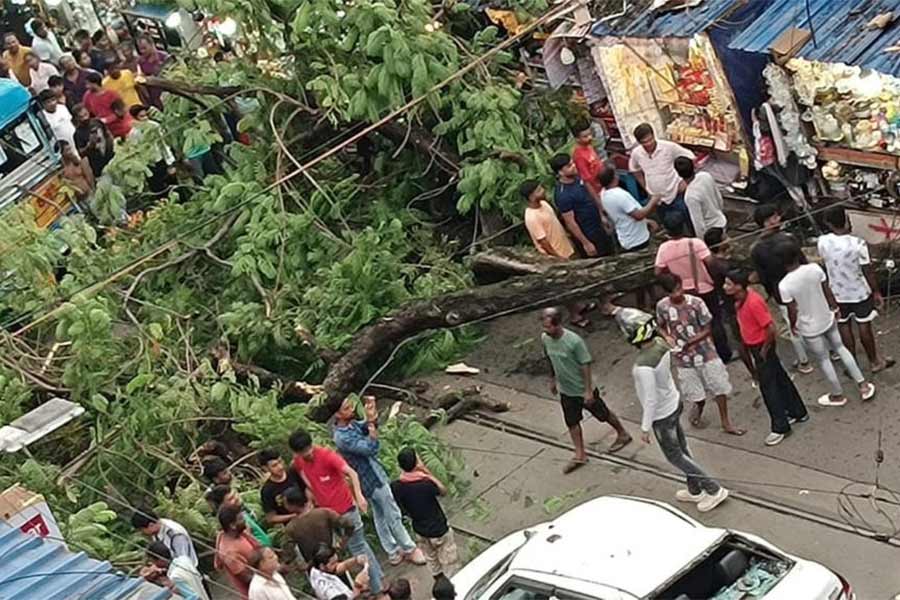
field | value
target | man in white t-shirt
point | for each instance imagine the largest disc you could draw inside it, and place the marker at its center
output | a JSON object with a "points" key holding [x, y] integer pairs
{"points": [[177, 574], [267, 582], [853, 283], [327, 575], [653, 163], [811, 307], [58, 118], [625, 213], [702, 197], [44, 43]]}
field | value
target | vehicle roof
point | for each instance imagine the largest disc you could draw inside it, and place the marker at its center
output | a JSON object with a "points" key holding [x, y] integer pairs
{"points": [[14, 100], [626, 543]]}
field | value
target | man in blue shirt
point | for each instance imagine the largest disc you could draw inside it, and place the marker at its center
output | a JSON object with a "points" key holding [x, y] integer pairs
{"points": [[580, 214], [357, 442]]}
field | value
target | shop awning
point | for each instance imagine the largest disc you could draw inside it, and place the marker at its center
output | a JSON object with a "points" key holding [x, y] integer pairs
{"points": [[840, 27], [682, 23]]}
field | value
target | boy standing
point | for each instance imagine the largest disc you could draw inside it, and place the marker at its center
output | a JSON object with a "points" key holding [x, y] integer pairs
{"points": [[811, 309], [417, 492], [326, 476], [853, 283], [655, 388], [686, 322], [580, 213], [570, 365], [759, 336]]}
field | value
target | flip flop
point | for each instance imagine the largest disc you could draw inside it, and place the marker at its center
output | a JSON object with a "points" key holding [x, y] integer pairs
{"points": [[573, 465], [888, 363], [737, 431], [869, 393], [619, 444]]}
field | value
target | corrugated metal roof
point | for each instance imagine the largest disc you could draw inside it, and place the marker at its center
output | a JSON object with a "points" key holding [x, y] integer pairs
{"points": [[34, 568], [684, 23], [840, 31]]}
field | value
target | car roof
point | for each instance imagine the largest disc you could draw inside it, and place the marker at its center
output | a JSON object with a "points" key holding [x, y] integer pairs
{"points": [[630, 544]]}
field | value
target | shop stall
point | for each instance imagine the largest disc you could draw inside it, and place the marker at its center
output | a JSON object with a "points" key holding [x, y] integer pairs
{"points": [[665, 68], [835, 79]]}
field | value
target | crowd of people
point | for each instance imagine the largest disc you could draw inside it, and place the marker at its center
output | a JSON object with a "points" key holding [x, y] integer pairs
{"points": [[314, 505], [93, 93], [707, 304]]}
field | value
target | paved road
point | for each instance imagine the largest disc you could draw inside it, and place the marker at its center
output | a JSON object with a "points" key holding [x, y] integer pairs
{"points": [[788, 494]]}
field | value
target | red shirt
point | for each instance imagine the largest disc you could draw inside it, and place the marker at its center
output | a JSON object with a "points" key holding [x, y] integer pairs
{"points": [[233, 558], [99, 104], [753, 319], [588, 163], [325, 475], [120, 127]]}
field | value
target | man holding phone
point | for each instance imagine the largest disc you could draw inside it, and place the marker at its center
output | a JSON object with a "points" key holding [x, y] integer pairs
{"points": [[357, 441]]}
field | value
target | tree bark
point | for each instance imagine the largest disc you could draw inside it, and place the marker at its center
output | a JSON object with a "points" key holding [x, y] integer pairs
{"points": [[554, 282]]}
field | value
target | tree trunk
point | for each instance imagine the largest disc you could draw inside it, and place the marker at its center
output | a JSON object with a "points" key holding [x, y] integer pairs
{"points": [[549, 283]]}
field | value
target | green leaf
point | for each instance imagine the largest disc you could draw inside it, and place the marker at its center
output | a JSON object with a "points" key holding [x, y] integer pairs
{"points": [[218, 391], [99, 403], [155, 330]]}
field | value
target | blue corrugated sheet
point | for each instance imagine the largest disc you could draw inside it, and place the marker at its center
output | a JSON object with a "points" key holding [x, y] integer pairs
{"points": [[683, 23], [840, 31], [32, 568]]}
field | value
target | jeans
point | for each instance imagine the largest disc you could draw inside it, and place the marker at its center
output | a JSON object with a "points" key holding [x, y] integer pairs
{"points": [[673, 444], [389, 522], [676, 206], [795, 341], [778, 391], [358, 546], [818, 348]]}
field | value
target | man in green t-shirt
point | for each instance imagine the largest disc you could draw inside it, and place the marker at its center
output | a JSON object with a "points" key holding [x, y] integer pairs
{"points": [[570, 363]]}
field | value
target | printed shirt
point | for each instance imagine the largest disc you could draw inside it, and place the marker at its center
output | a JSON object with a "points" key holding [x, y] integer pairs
{"points": [[684, 257], [542, 223], [659, 168], [568, 355], [325, 476], [753, 319], [684, 321], [361, 452], [327, 586], [574, 197], [845, 256]]}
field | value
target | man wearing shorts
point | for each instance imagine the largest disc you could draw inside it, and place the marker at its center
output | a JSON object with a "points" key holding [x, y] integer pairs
{"points": [[852, 281], [570, 363], [686, 323]]}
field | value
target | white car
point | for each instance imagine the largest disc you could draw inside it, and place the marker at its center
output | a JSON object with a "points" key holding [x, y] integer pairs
{"points": [[623, 548]]}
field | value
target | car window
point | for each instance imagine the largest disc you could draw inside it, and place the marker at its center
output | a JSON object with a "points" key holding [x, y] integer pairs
{"points": [[517, 592]]}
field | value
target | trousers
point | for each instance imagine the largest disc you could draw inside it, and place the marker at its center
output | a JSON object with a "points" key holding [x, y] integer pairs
{"points": [[673, 443]]}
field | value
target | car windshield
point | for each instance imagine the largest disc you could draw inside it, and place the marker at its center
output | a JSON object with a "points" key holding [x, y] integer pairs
{"points": [[488, 579]]}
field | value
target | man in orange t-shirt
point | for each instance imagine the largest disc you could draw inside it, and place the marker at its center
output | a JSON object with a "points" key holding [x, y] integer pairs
{"points": [[549, 236], [234, 547]]}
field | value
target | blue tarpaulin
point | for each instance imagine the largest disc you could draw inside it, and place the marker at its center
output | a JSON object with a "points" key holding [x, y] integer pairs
{"points": [[14, 101], [683, 23], [840, 31], [33, 568]]}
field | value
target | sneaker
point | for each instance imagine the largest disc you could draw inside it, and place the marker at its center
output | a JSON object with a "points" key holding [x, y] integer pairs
{"points": [[709, 502], [416, 557], [803, 419], [687, 496], [827, 400], [395, 559], [773, 439]]}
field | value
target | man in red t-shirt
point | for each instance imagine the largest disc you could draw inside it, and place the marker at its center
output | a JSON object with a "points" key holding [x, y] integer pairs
{"points": [[759, 335], [326, 476], [586, 159], [98, 101]]}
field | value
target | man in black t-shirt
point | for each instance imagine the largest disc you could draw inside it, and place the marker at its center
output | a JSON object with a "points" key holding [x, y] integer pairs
{"points": [[416, 493], [579, 212], [272, 492], [770, 269]]}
